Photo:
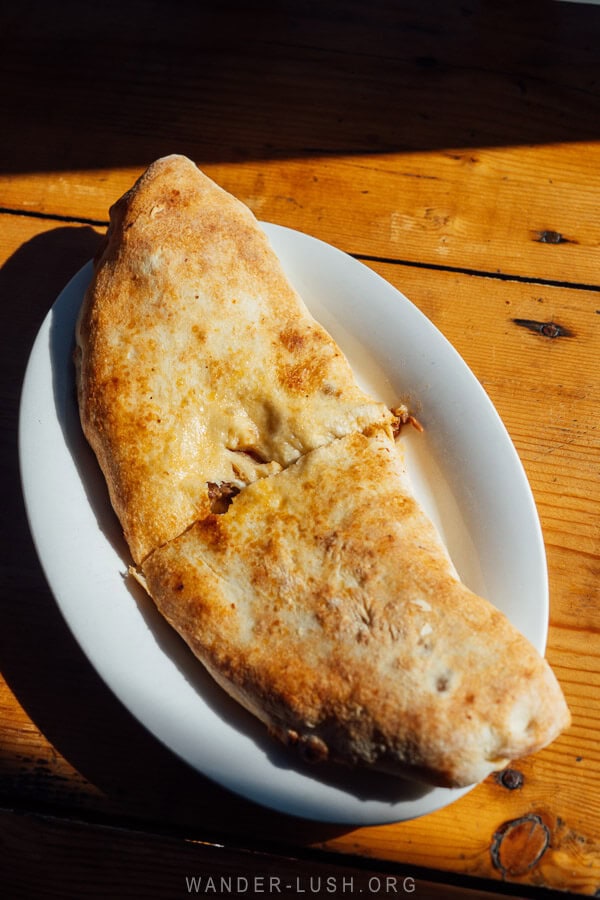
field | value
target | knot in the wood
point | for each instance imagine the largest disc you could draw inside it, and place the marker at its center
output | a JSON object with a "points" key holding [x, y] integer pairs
{"points": [[511, 779], [551, 330], [551, 237], [518, 845], [547, 329]]}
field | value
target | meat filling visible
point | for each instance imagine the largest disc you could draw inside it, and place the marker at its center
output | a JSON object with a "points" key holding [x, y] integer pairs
{"points": [[402, 417], [221, 495]]}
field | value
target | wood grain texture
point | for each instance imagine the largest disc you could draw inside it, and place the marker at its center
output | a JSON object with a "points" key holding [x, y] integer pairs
{"points": [[117, 85], [454, 149], [438, 208], [431, 121], [35, 862], [68, 746]]}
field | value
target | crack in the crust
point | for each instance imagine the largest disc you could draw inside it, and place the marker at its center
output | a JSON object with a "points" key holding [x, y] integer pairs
{"points": [[222, 495]]}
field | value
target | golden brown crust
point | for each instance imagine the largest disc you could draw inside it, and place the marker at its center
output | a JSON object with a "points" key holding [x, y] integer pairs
{"points": [[323, 603], [271, 517], [197, 360]]}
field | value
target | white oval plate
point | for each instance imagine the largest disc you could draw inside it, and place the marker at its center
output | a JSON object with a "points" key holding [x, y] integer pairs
{"points": [[465, 471]]}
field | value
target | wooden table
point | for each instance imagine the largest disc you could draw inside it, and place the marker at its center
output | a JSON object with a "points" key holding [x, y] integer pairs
{"points": [[455, 149]]}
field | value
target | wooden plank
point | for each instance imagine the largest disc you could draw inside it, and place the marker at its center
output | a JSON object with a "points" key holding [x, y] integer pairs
{"points": [[45, 856], [67, 744], [460, 136], [279, 81], [461, 208]]}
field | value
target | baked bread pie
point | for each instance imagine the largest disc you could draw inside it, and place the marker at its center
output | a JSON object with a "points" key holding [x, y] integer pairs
{"points": [[268, 511], [199, 364]]}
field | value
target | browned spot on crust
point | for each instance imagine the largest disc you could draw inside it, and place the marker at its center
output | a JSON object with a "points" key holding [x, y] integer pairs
{"points": [[212, 532], [199, 333], [331, 390], [292, 339], [309, 370], [311, 748], [303, 377], [329, 540]]}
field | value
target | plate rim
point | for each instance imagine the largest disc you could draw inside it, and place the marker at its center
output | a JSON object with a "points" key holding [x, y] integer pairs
{"points": [[354, 813]]}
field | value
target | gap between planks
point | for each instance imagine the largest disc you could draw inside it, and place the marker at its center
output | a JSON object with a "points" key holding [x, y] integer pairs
{"points": [[363, 257]]}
